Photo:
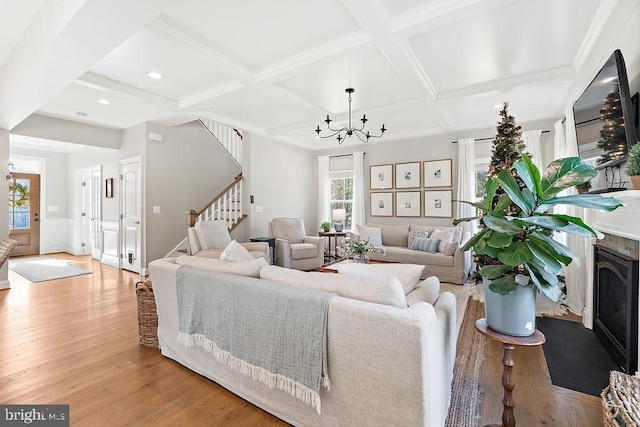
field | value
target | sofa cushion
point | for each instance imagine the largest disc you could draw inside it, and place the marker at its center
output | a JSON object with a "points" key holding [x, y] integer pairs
{"points": [[374, 234], [212, 234], [216, 253], [425, 244], [428, 290], [235, 252], [241, 268], [407, 274], [379, 290], [393, 235], [394, 253], [445, 236], [303, 250], [414, 234]]}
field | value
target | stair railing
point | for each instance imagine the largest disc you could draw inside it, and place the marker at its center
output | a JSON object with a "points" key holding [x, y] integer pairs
{"points": [[226, 206], [229, 138]]}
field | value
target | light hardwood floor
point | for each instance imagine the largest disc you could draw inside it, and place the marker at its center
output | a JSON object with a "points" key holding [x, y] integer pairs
{"points": [[74, 341]]}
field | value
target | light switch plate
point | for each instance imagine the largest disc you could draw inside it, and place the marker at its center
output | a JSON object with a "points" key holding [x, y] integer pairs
{"points": [[156, 209], [258, 209]]}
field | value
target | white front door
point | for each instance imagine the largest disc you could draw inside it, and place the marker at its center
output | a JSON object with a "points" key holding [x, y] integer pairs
{"points": [[131, 214]]}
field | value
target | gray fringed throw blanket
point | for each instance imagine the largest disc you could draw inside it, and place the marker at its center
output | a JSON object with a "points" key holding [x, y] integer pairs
{"points": [[273, 333]]}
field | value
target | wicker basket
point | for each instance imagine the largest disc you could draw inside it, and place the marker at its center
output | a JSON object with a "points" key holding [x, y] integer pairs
{"points": [[621, 400], [147, 315]]}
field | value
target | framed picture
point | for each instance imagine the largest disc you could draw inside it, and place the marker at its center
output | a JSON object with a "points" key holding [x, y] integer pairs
{"points": [[109, 188], [437, 173], [408, 175], [438, 203], [408, 203], [381, 204], [381, 177]]}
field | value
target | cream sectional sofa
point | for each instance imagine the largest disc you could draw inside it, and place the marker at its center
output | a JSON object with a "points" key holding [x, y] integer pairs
{"points": [[390, 363], [450, 265]]}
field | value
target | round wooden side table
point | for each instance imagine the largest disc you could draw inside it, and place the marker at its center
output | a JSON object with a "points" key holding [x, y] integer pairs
{"points": [[508, 383]]}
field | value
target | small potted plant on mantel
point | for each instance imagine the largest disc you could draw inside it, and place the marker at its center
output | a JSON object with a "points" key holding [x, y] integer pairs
{"points": [[520, 257], [633, 165]]}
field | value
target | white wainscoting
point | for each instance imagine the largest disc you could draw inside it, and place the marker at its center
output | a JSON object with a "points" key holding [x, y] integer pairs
{"points": [[57, 236], [110, 243]]}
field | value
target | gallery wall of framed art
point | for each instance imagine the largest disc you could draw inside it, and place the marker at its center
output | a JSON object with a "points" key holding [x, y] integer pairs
{"points": [[419, 189]]}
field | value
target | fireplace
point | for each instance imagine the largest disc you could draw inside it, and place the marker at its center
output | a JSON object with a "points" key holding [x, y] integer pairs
{"points": [[615, 303]]}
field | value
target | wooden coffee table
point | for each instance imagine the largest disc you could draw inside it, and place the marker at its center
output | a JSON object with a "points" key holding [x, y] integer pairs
{"points": [[331, 266]]}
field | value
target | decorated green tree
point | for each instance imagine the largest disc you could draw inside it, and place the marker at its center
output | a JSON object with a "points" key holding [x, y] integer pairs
{"points": [[613, 139], [504, 154]]}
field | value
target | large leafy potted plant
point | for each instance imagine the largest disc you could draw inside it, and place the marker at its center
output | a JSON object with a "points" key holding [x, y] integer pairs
{"points": [[522, 257], [633, 166]]}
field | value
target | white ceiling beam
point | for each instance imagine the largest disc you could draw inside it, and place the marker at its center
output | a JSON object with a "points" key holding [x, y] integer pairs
{"points": [[375, 20], [64, 40], [104, 84], [565, 73]]}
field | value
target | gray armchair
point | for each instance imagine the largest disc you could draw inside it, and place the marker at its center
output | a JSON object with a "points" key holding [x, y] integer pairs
{"points": [[293, 248]]}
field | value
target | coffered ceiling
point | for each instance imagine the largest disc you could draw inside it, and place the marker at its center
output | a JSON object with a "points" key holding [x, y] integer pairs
{"points": [[277, 68]]}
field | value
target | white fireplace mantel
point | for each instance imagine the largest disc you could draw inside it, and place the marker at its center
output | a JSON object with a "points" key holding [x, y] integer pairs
{"points": [[625, 222]]}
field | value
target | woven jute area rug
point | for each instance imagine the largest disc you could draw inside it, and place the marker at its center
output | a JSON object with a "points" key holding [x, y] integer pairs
{"points": [[465, 390]]}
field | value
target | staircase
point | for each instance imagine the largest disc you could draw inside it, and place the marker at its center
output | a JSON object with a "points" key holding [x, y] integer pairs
{"points": [[230, 138], [227, 205]]}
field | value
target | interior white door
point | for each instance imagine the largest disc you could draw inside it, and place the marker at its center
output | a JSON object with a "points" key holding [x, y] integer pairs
{"points": [[91, 214], [131, 214]]}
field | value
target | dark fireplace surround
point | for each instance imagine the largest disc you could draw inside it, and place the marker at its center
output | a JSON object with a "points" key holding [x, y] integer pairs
{"points": [[615, 299]]}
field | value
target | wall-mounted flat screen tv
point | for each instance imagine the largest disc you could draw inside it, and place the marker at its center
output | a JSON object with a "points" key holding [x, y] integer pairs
{"points": [[605, 124]]}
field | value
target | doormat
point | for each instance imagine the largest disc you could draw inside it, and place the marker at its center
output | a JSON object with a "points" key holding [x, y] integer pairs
{"points": [[575, 356], [42, 269]]}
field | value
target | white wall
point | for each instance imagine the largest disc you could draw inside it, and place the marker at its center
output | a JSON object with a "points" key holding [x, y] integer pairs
{"points": [[284, 184], [45, 127], [184, 171]]}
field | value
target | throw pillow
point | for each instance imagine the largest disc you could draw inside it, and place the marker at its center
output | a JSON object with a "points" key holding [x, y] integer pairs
{"points": [[414, 234], [407, 274], [242, 268], [212, 234], [450, 248], [445, 237], [374, 234], [425, 244], [235, 252], [378, 290], [428, 290]]}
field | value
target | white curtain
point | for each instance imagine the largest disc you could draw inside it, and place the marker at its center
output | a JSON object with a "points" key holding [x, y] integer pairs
{"points": [[324, 190], [466, 182], [576, 276], [531, 139], [358, 190]]}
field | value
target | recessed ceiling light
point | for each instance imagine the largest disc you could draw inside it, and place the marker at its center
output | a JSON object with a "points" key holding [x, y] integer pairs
{"points": [[154, 75], [497, 106], [103, 101], [610, 79]]}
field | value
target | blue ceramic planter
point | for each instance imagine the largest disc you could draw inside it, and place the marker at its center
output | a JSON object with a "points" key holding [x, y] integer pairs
{"points": [[513, 314]]}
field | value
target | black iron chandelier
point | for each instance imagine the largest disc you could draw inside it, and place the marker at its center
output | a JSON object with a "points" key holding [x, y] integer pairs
{"points": [[350, 130]]}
